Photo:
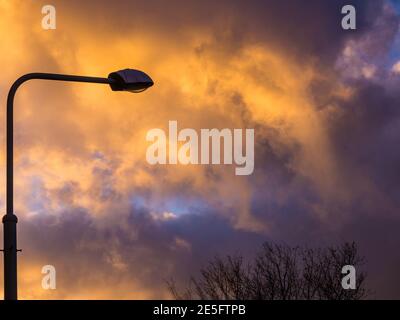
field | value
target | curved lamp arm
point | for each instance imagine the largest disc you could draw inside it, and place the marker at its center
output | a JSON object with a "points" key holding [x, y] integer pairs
{"points": [[10, 120]]}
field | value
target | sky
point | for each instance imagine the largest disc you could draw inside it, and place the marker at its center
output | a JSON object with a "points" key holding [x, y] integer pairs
{"points": [[323, 102]]}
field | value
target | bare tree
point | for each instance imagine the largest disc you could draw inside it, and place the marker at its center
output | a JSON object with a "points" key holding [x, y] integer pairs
{"points": [[226, 279], [278, 272], [322, 274]]}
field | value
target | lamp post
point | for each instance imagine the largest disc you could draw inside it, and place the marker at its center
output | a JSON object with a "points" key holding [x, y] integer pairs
{"points": [[123, 80]]}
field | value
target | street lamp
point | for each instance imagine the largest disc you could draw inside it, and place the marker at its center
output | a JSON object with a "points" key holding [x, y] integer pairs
{"points": [[123, 80]]}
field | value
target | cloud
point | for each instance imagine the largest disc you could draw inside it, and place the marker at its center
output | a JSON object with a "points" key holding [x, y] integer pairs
{"points": [[396, 67], [322, 101]]}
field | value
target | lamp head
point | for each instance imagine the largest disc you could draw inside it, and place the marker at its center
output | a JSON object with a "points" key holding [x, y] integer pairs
{"points": [[130, 80]]}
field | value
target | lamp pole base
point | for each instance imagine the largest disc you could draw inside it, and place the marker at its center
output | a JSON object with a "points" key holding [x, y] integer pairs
{"points": [[10, 256]]}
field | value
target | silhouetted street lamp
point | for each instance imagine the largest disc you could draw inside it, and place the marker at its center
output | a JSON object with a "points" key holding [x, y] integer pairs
{"points": [[123, 80]]}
